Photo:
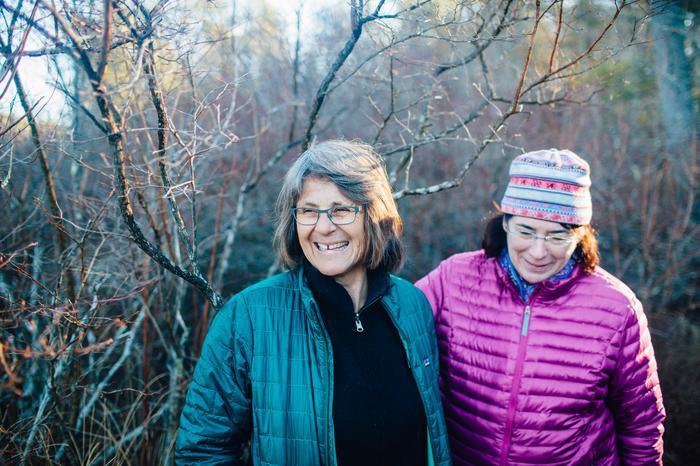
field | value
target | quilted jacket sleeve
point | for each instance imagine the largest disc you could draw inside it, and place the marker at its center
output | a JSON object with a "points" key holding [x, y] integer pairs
{"points": [[431, 286], [635, 394], [215, 421]]}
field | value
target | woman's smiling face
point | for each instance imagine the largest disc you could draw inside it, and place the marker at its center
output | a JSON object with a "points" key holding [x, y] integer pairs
{"points": [[335, 250], [537, 260]]}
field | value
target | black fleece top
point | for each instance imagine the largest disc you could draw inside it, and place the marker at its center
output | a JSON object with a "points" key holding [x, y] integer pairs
{"points": [[378, 414]]}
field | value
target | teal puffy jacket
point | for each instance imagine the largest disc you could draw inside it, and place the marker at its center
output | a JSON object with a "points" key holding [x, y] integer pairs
{"points": [[267, 368]]}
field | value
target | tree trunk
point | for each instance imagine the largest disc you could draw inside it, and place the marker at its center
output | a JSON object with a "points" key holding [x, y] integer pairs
{"points": [[673, 75]]}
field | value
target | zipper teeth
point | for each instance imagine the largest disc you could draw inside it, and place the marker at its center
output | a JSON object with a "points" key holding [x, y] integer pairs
{"points": [[517, 378], [525, 324], [330, 454], [358, 322], [329, 448], [367, 305], [329, 395]]}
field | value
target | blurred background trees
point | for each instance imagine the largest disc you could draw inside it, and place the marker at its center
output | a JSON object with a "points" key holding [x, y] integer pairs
{"points": [[138, 183]]}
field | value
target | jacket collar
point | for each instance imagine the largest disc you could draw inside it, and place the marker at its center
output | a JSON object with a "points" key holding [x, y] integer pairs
{"points": [[389, 297], [327, 290], [549, 289]]}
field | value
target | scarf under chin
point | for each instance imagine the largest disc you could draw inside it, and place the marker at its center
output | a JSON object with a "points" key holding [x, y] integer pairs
{"points": [[525, 289]]}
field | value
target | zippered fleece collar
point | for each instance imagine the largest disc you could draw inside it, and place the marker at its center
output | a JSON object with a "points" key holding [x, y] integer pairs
{"points": [[327, 290]]}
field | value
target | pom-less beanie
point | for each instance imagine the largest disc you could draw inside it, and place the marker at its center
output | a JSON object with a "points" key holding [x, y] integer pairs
{"points": [[549, 184]]}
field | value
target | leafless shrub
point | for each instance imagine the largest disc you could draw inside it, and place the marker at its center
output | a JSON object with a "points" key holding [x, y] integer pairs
{"points": [[151, 201]]}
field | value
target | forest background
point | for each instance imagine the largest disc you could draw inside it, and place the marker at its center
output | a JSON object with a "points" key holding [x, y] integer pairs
{"points": [[137, 192]]}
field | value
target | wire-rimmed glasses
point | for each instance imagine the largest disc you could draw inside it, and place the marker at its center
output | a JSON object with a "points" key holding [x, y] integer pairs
{"points": [[556, 240]]}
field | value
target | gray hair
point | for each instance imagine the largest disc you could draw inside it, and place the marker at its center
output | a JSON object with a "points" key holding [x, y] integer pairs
{"points": [[359, 173]]}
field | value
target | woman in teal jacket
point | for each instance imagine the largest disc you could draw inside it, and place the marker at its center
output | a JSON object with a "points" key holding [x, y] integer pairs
{"points": [[334, 361]]}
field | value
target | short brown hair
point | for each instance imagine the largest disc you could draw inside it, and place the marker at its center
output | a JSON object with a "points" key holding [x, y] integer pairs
{"points": [[586, 252], [359, 173]]}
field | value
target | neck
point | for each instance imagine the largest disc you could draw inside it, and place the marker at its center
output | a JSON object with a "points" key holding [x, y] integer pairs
{"points": [[356, 287]]}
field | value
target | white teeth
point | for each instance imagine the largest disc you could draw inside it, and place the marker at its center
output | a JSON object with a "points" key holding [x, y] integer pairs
{"points": [[331, 247]]}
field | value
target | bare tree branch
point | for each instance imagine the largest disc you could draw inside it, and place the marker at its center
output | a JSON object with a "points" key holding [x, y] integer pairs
{"points": [[357, 25], [61, 239], [481, 44]]}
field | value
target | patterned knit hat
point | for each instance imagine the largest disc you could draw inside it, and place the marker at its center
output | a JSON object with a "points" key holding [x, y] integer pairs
{"points": [[550, 185]]}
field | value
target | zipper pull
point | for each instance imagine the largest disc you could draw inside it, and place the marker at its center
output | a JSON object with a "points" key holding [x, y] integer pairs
{"points": [[358, 324], [526, 321]]}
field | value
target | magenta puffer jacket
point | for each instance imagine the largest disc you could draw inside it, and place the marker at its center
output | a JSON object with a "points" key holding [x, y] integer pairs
{"points": [[569, 379]]}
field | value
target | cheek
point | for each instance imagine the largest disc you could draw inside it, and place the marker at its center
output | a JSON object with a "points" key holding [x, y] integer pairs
{"points": [[360, 238], [302, 236], [568, 253], [514, 252]]}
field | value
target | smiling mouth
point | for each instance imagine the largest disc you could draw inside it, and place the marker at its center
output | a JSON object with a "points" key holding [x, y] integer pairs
{"points": [[332, 246], [537, 267]]}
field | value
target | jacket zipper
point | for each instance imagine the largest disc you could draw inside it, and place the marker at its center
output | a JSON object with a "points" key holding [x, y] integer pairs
{"points": [[515, 388], [358, 322], [330, 460], [413, 373]]}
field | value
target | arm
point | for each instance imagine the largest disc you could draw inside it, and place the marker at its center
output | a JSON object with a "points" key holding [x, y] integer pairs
{"points": [[215, 422], [417, 324], [635, 394], [431, 286]]}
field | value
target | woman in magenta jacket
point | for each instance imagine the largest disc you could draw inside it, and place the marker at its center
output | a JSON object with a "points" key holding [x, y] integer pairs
{"points": [[546, 358]]}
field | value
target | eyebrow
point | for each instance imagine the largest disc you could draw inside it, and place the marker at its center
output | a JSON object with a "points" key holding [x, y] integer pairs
{"points": [[314, 205], [550, 232]]}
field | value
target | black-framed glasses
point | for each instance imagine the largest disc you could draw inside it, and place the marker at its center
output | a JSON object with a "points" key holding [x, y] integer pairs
{"points": [[338, 215], [557, 240]]}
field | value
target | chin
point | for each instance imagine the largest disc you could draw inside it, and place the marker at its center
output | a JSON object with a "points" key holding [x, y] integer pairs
{"points": [[534, 278], [330, 271]]}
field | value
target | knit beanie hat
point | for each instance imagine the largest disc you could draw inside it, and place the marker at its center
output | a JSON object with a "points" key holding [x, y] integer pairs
{"points": [[550, 185]]}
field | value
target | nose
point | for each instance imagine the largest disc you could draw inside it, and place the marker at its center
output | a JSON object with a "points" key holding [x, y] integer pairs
{"points": [[324, 224], [538, 249]]}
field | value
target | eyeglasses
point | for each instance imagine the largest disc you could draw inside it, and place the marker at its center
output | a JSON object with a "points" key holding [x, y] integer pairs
{"points": [[338, 215], [557, 240]]}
